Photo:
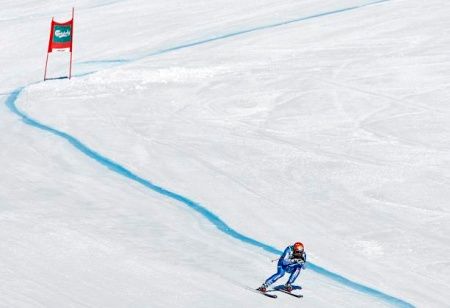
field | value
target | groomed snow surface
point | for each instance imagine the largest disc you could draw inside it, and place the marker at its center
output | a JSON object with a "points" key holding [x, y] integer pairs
{"points": [[321, 121]]}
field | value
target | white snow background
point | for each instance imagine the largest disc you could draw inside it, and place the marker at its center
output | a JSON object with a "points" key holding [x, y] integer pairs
{"points": [[325, 121]]}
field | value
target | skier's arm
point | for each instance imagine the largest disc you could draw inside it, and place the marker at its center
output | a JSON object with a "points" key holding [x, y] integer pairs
{"points": [[304, 260], [285, 257], [303, 257], [301, 260]]}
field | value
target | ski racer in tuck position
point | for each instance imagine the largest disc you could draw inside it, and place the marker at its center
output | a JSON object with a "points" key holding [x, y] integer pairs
{"points": [[292, 261]]}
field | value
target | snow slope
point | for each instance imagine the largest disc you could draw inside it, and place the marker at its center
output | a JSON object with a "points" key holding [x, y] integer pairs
{"points": [[285, 124]]}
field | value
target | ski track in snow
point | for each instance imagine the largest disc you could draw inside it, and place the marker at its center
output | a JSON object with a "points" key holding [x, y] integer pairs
{"points": [[210, 216]]}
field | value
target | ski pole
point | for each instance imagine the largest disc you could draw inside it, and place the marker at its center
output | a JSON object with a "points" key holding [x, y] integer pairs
{"points": [[274, 260]]}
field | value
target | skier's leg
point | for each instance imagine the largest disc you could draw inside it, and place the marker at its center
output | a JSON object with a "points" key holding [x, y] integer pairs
{"points": [[294, 275], [280, 273]]}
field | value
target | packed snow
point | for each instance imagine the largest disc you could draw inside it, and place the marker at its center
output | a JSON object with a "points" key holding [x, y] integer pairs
{"points": [[325, 122]]}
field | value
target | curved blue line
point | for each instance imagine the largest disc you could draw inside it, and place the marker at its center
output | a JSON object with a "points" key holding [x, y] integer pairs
{"points": [[254, 29], [210, 216]]}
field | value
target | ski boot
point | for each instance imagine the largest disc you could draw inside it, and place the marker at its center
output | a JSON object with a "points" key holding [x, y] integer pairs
{"points": [[263, 288], [288, 287]]}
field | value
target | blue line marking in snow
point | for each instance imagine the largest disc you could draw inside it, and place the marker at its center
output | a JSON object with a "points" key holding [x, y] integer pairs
{"points": [[259, 28], [210, 216]]}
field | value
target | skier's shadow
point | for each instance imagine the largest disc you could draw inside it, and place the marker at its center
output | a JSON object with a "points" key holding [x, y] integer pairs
{"points": [[57, 78], [281, 287]]}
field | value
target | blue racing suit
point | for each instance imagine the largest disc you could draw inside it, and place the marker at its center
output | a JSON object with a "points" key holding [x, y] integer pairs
{"points": [[288, 263]]}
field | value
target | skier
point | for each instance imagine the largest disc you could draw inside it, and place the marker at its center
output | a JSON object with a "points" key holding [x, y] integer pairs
{"points": [[292, 261]]}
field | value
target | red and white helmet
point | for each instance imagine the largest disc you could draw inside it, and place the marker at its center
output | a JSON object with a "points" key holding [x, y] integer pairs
{"points": [[298, 247]]}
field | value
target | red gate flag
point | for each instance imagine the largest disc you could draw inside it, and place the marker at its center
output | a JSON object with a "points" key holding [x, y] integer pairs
{"points": [[61, 37]]}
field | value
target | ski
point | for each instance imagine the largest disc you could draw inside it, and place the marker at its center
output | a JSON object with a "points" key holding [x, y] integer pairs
{"points": [[290, 293], [267, 294], [282, 289], [263, 293]]}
